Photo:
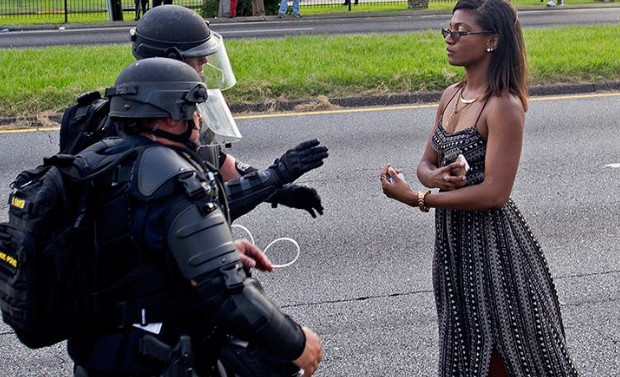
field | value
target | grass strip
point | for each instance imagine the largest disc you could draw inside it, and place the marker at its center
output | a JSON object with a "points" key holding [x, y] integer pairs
{"points": [[41, 80]]}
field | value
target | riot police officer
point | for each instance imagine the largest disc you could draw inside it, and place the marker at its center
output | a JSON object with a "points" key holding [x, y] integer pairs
{"points": [[158, 34], [174, 296]]}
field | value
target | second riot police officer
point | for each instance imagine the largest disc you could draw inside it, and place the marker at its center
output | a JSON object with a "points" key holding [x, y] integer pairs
{"points": [[174, 296]]}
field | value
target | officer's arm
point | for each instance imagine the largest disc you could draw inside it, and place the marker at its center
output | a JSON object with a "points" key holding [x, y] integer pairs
{"points": [[256, 186], [229, 167], [203, 247]]}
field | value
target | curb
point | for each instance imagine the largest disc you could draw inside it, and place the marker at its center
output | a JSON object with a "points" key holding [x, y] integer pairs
{"points": [[346, 102], [417, 98]]}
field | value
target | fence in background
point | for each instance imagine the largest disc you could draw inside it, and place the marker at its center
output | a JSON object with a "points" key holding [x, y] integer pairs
{"points": [[53, 11], [65, 11]]}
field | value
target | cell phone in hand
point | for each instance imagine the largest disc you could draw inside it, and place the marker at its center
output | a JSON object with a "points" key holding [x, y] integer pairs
{"points": [[392, 171], [461, 171], [399, 175]]}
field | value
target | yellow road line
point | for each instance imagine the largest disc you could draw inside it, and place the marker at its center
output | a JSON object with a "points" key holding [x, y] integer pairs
{"points": [[354, 110], [335, 111], [20, 130]]}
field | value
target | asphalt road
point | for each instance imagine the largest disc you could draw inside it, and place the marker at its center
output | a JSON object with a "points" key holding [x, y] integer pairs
{"points": [[272, 27], [363, 280]]}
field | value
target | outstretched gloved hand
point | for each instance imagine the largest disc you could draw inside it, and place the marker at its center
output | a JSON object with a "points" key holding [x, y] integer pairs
{"points": [[299, 160], [298, 196]]}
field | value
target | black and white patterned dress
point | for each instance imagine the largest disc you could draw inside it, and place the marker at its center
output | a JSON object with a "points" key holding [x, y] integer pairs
{"points": [[492, 285]]}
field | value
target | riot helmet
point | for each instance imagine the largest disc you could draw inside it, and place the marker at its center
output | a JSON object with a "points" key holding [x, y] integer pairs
{"points": [[172, 31], [158, 34], [157, 88]]}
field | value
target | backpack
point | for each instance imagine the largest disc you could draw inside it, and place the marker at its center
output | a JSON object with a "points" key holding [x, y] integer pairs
{"points": [[85, 123], [47, 249]]}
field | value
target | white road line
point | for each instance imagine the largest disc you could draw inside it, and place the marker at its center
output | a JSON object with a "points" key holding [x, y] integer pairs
{"points": [[13, 33], [265, 30]]}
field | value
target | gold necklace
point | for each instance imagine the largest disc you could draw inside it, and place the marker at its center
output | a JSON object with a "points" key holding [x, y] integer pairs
{"points": [[468, 101], [456, 110]]}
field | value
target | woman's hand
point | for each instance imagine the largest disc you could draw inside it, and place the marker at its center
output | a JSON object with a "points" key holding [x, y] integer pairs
{"points": [[398, 189], [445, 178]]}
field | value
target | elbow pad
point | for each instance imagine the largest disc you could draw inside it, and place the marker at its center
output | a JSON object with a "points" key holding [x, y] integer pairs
{"points": [[201, 243], [246, 192], [205, 252]]}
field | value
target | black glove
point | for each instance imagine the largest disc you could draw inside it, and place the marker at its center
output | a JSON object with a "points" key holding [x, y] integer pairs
{"points": [[299, 160], [300, 197]]}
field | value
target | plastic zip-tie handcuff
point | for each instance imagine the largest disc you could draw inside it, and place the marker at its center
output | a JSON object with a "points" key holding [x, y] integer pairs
{"points": [[251, 239]]}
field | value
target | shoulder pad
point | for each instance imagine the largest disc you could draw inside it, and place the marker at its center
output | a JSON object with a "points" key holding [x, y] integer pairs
{"points": [[94, 156], [156, 166], [87, 98], [102, 145]]}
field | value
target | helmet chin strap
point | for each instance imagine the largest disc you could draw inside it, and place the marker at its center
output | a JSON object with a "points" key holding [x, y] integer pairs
{"points": [[183, 138]]}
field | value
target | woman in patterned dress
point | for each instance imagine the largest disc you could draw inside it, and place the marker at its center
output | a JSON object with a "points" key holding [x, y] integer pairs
{"points": [[497, 307]]}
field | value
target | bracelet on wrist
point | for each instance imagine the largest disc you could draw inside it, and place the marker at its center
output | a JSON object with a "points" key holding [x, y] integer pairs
{"points": [[421, 196]]}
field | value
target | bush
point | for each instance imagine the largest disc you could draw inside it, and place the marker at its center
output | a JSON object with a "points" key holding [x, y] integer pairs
{"points": [[244, 7], [209, 8], [272, 7]]}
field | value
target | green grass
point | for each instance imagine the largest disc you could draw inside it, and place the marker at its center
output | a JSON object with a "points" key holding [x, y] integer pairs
{"points": [[49, 79]]}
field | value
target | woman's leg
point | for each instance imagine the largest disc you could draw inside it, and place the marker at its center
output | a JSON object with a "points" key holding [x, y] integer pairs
{"points": [[496, 365]]}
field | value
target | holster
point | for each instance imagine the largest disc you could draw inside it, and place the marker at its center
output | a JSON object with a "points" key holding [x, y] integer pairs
{"points": [[179, 359]]}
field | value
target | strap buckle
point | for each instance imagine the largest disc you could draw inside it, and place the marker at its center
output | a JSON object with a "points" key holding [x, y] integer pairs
{"points": [[130, 314]]}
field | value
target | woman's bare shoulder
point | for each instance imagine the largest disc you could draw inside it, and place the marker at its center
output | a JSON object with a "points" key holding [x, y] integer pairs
{"points": [[448, 93], [505, 102], [505, 110]]}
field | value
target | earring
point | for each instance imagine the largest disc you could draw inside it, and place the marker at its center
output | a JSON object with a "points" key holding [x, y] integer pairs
{"points": [[489, 49]]}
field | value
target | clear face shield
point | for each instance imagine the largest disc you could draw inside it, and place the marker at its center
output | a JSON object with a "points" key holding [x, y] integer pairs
{"points": [[217, 126], [218, 73]]}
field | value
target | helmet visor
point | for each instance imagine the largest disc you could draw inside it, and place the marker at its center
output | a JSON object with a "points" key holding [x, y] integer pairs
{"points": [[217, 126], [218, 72]]}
